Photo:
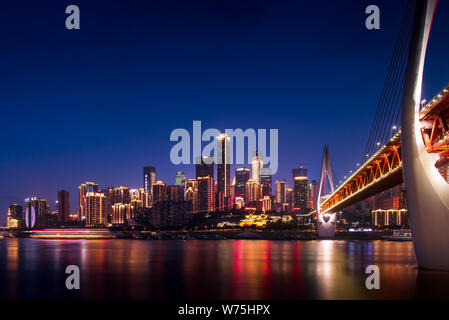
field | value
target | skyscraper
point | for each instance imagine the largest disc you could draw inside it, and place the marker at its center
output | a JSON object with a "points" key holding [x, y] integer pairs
{"points": [[180, 177], [314, 193], [37, 212], [175, 193], [206, 194], [143, 196], [82, 191], [159, 192], [149, 179], [280, 191], [122, 212], [300, 189], [252, 194], [223, 164], [95, 209], [191, 193], [256, 165], [120, 194], [15, 216], [63, 207], [204, 166], [265, 182], [241, 178]]}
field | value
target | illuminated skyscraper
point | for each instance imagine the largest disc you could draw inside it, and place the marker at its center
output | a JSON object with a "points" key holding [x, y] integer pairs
{"points": [[95, 209], [63, 207], [265, 182], [241, 178], [37, 212], [82, 191], [252, 194], [179, 178], [15, 218], [159, 192], [280, 191], [223, 164], [122, 212], [175, 193], [191, 193], [149, 179], [204, 167], [265, 204], [314, 193], [120, 195], [256, 165], [300, 189], [206, 194], [140, 195]]}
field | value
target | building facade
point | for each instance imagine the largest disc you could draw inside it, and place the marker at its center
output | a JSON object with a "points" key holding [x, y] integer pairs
{"points": [[63, 207], [83, 189], [149, 179], [204, 167], [95, 209]]}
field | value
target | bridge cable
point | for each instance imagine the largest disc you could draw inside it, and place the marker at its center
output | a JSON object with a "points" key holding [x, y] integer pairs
{"points": [[391, 89], [387, 108]]}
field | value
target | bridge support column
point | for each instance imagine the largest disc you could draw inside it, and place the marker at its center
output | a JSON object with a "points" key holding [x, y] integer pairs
{"points": [[325, 224], [427, 191]]}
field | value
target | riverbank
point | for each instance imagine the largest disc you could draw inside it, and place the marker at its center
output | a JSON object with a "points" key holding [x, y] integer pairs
{"points": [[232, 234]]}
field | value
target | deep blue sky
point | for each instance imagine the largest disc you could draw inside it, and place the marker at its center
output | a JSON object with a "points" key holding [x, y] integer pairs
{"points": [[99, 103]]}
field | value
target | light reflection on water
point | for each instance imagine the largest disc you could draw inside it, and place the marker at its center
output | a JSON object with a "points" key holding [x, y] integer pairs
{"points": [[228, 269]]}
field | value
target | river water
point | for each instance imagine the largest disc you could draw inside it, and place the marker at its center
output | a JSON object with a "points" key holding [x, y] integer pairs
{"points": [[215, 269]]}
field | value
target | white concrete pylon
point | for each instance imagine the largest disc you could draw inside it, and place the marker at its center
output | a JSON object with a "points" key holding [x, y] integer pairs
{"points": [[427, 191], [325, 223]]}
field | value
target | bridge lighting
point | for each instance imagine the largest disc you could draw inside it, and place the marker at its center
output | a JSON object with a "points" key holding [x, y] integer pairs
{"points": [[394, 127], [358, 164], [350, 171], [378, 143], [423, 102]]}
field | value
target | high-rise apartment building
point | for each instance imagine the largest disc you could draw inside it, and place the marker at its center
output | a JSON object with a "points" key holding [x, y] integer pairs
{"points": [[120, 194], [300, 189], [82, 191], [256, 165], [252, 194], [175, 193], [159, 192], [180, 177], [241, 178], [95, 209], [122, 212], [15, 218], [140, 195], [206, 194], [265, 182], [63, 207], [149, 179], [223, 164], [37, 213], [204, 167], [314, 193], [191, 193], [280, 191]]}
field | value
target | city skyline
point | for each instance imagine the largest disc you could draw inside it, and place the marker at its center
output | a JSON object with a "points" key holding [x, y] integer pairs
{"points": [[75, 199]]}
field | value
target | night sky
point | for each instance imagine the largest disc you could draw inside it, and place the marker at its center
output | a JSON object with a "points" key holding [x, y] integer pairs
{"points": [[99, 103]]}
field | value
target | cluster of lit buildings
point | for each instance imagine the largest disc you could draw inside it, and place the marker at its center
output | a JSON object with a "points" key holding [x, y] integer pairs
{"points": [[210, 191], [162, 205]]}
